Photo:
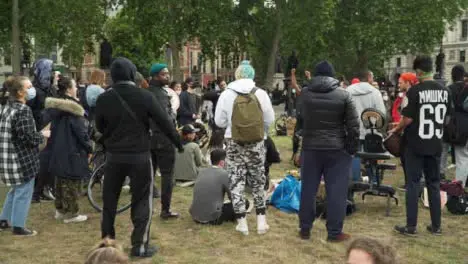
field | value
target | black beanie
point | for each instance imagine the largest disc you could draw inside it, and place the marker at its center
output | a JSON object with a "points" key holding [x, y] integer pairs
{"points": [[324, 68], [122, 69]]}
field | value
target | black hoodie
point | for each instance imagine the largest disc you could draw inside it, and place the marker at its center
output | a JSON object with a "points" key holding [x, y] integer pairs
{"points": [[126, 139]]}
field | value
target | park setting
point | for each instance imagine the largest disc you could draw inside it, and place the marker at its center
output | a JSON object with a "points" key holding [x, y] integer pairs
{"points": [[233, 131]]}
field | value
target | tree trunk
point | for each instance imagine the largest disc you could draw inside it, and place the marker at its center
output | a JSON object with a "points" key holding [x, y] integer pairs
{"points": [[268, 80], [176, 71], [16, 42], [362, 63]]}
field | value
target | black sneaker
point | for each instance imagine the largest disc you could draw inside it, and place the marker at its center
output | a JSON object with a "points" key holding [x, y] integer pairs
{"points": [[434, 231], [21, 231], [4, 225], [404, 230], [304, 234], [149, 252], [169, 215]]}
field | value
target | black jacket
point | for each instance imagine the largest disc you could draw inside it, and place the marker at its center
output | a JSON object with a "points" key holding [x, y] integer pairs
{"points": [[125, 138], [159, 139], [188, 107], [327, 117], [69, 144]]}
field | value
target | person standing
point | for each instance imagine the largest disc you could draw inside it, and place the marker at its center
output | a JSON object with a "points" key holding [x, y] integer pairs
{"points": [[44, 79], [188, 112], [19, 162], [329, 140], [459, 92], [406, 81], [365, 96], [70, 147], [247, 113], [162, 150], [123, 114], [423, 124]]}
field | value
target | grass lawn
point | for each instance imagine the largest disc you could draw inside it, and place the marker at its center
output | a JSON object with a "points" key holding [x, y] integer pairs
{"points": [[183, 241]]}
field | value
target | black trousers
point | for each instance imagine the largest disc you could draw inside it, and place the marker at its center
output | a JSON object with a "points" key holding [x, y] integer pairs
{"points": [[335, 166], [415, 166], [164, 158], [141, 184], [228, 214], [44, 178]]}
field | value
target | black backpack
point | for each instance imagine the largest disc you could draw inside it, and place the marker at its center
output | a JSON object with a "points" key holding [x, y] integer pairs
{"points": [[458, 205]]}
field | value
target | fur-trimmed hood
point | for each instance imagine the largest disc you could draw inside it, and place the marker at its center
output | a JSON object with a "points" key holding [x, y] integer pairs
{"points": [[64, 105]]}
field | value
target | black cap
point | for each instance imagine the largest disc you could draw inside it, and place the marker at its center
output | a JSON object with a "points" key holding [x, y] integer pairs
{"points": [[188, 129]]}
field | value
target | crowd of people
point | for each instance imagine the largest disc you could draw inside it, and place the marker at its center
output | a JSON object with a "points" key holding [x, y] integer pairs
{"points": [[50, 128]]}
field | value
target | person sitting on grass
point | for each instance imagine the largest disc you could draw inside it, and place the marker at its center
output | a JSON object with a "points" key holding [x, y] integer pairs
{"points": [[370, 251], [107, 252], [212, 184], [188, 163]]}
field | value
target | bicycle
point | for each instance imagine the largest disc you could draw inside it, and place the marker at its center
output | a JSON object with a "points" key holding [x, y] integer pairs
{"points": [[96, 183]]}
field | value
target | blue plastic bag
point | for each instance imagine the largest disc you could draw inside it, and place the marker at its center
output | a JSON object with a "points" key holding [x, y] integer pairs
{"points": [[287, 195]]}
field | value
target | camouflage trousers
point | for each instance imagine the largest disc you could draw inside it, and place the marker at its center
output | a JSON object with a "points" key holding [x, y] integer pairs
{"points": [[245, 163], [66, 196]]}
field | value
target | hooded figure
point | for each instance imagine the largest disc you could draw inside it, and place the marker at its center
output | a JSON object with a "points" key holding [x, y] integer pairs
{"points": [[123, 115], [43, 82], [330, 132], [366, 96]]}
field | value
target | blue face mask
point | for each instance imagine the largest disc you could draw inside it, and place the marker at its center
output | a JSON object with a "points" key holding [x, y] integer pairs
{"points": [[31, 94]]}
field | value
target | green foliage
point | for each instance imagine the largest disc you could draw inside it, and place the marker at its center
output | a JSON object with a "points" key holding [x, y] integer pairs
{"points": [[71, 24], [133, 44], [367, 32]]}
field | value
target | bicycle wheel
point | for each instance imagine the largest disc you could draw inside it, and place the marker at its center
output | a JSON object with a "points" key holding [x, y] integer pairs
{"points": [[95, 187]]}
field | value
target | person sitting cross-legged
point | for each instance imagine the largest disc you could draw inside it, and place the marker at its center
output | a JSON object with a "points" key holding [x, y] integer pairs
{"points": [[188, 163], [212, 184]]}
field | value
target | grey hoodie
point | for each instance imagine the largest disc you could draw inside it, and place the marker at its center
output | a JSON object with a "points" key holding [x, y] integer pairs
{"points": [[366, 96]]}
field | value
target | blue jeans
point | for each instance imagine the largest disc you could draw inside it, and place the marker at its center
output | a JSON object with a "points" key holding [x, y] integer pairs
{"points": [[17, 203]]}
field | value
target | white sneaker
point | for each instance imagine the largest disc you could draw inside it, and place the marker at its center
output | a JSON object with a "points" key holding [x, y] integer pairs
{"points": [[451, 166], [58, 215], [242, 226], [126, 187], [76, 219], [262, 226]]}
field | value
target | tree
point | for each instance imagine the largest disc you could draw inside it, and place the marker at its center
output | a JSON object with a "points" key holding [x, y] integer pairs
{"points": [[176, 23], [367, 32], [67, 23]]}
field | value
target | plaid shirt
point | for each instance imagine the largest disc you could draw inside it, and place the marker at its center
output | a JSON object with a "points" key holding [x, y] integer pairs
{"points": [[19, 144]]}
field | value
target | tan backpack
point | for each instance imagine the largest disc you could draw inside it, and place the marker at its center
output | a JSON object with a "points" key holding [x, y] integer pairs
{"points": [[247, 119]]}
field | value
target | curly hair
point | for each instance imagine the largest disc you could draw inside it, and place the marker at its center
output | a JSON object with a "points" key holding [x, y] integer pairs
{"points": [[380, 253]]}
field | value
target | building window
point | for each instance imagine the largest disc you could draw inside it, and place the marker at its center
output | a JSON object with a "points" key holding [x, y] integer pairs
{"points": [[236, 61], [398, 62], [464, 28], [224, 61], [462, 56], [451, 55], [191, 60]]}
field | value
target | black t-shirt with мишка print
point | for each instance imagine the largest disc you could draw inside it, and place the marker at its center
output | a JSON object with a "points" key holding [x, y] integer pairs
{"points": [[428, 105]]}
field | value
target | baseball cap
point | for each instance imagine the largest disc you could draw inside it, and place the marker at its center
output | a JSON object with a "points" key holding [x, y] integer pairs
{"points": [[188, 129]]}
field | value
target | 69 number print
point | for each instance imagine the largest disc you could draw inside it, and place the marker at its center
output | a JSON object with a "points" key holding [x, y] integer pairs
{"points": [[427, 115]]}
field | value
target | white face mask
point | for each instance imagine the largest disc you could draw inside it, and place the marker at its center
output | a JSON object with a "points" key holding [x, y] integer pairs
{"points": [[400, 94], [31, 94]]}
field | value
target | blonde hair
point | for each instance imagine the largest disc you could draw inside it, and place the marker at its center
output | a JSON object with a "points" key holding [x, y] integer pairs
{"points": [[107, 252], [98, 77]]}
